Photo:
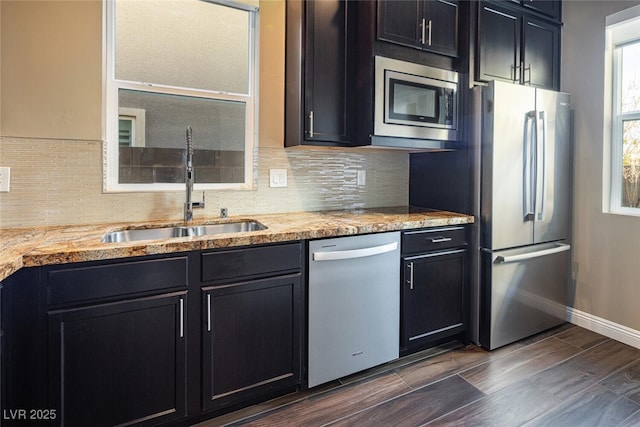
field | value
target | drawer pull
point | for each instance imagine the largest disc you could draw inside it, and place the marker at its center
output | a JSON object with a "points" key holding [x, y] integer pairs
{"points": [[441, 239]]}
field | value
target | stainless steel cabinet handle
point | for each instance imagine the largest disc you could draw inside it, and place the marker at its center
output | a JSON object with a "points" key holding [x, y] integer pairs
{"points": [[525, 70], [516, 73], [181, 317], [441, 239], [423, 25], [410, 265], [311, 124], [208, 312], [429, 39]]}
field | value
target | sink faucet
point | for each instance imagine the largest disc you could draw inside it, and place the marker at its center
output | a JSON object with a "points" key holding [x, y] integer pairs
{"points": [[189, 205]]}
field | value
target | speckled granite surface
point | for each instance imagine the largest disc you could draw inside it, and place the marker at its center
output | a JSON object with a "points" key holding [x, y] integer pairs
{"points": [[27, 247]]}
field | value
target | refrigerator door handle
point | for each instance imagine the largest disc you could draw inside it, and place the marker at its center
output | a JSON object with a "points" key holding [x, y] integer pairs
{"points": [[528, 169], [541, 166], [561, 247]]}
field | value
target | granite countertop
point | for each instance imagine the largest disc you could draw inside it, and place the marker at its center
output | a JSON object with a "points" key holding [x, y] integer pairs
{"points": [[28, 247]]}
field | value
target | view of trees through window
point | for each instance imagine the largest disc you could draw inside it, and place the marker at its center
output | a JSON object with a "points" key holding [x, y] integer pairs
{"points": [[630, 113]]}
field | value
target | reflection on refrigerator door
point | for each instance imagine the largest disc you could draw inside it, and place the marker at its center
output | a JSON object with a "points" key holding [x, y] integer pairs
{"points": [[524, 292]]}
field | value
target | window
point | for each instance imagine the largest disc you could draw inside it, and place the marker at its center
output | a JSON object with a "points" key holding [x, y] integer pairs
{"points": [[623, 31], [171, 64]]}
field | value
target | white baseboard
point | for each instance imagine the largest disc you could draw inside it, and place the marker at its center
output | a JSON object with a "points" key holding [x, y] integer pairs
{"points": [[604, 327]]}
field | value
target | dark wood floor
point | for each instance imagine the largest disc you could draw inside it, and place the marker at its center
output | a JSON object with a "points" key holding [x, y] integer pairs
{"points": [[568, 376]]}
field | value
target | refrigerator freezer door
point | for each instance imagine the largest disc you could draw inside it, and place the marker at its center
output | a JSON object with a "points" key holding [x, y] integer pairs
{"points": [[508, 142], [524, 292], [553, 176]]}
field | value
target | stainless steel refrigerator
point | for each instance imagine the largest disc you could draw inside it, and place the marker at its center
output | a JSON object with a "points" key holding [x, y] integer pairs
{"points": [[523, 162]]}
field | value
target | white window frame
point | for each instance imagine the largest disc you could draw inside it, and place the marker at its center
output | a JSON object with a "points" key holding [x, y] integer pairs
{"points": [[621, 28], [111, 86]]}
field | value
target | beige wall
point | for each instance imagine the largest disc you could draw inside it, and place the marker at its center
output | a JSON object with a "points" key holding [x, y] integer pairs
{"points": [[51, 69], [606, 246], [51, 130]]}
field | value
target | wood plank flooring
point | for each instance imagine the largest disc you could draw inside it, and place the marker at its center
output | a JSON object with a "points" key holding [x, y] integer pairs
{"points": [[568, 376]]}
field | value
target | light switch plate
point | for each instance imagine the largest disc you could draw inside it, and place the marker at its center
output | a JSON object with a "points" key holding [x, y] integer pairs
{"points": [[277, 177], [5, 175], [361, 178]]}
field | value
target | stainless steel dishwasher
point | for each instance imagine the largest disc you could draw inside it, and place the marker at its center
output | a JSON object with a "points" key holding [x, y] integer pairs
{"points": [[354, 304]]}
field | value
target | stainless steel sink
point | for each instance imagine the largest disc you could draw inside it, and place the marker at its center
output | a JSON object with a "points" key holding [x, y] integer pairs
{"points": [[162, 233], [226, 227]]}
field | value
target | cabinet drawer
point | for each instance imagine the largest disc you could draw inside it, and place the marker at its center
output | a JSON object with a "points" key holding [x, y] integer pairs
{"points": [[109, 280], [251, 262], [433, 239]]}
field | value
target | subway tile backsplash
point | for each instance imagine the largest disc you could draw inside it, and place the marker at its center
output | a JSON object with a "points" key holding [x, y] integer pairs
{"points": [[59, 182]]}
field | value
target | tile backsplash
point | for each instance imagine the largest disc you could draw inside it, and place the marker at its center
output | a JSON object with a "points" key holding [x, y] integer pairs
{"points": [[59, 182]]}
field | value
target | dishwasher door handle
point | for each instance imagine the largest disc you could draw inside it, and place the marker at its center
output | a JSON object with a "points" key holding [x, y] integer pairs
{"points": [[355, 253]]}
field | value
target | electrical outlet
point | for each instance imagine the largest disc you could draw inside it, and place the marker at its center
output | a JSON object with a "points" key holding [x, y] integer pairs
{"points": [[277, 177], [5, 175], [361, 178]]}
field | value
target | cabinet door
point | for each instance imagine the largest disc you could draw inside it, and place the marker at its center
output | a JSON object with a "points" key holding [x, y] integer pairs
{"points": [[325, 71], [119, 363], [541, 55], [424, 24], [251, 339], [499, 32], [399, 21], [551, 8], [442, 20], [433, 297]]}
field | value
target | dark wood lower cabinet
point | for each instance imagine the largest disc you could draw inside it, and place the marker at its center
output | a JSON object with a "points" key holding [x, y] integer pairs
{"points": [[251, 339], [434, 288], [156, 340], [119, 363], [433, 303]]}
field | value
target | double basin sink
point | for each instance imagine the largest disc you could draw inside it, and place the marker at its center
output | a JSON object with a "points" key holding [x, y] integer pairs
{"points": [[162, 233]]}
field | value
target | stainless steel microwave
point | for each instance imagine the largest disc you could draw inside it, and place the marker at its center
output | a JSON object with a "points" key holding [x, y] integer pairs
{"points": [[415, 101]]}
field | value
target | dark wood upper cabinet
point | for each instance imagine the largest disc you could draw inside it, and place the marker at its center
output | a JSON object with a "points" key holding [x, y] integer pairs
{"points": [[400, 21], [514, 46], [430, 25], [317, 73], [541, 56], [551, 8], [499, 34]]}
